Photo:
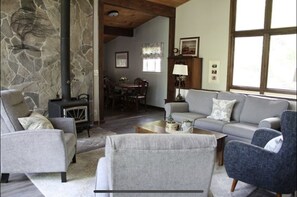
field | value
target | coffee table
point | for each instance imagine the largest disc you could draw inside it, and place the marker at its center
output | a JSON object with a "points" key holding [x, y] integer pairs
{"points": [[159, 127]]}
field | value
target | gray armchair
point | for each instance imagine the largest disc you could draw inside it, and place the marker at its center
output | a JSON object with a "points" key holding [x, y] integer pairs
{"points": [[253, 164], [33, 151], [155, 162]]}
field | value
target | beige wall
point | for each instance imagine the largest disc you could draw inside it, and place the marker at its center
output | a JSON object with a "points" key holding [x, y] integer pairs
{"points": [[209, 20]]}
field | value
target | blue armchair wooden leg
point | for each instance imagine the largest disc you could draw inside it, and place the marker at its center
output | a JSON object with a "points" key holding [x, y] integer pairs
{"points": [[63, 177], [4, 177], [233, 185], [278, 195]]}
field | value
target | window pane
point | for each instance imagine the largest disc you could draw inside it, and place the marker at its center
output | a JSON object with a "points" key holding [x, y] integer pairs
{"points": [[283, 13], [282, 62], [250, 14], [247, 61], [152, 65]]}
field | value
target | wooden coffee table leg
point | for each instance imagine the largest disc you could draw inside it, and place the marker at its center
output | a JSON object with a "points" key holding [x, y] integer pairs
{"points": [[220, 151]]}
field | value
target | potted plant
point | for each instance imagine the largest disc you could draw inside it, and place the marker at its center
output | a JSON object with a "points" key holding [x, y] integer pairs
{"points": [[171, 125]]}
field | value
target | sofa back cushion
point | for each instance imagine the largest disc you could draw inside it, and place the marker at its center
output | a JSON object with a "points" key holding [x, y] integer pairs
{"points": [[186, 161], [13, 106], [258, 108], [237, 108], [200, 101]]}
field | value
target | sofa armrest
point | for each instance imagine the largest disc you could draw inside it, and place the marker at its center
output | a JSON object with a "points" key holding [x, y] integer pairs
{"points": [[176, 107], [33, 150], [272, 123], [65, 124], [102, 178], [262, 136]]}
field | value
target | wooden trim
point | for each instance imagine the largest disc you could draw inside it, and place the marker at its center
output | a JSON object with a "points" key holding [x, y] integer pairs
{"points": [[264, 64], [117, 31], [101, 60], [231, 44], [258, 32], [171, 36], [144, 6]]}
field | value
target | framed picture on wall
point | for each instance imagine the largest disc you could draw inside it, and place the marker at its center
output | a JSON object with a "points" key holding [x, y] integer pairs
{"points": [[189, 46], [122, 59]]}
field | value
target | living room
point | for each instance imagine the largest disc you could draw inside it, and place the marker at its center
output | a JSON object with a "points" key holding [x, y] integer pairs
{"points": [[37, 72]]}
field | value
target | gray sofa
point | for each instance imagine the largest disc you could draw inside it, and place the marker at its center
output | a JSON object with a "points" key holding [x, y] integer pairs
{"points": [[249, 113], [152, 162]]}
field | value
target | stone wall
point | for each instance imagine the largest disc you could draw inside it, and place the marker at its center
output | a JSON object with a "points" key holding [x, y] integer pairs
{"points": [[30, 49]]}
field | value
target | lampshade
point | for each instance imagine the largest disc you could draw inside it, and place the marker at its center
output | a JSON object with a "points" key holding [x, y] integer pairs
{"points": [[180, 69]]}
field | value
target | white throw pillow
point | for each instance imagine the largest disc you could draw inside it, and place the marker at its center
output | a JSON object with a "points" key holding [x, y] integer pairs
{"points": [[222, 109], [35, 121], [275, 144]]}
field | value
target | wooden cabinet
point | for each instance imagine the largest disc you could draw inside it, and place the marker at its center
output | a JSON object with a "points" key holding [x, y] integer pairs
{"points": [[192, 81]]}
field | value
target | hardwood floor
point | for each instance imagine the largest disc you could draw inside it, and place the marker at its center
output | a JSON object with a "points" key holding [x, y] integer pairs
{"points": [[116, 121]]}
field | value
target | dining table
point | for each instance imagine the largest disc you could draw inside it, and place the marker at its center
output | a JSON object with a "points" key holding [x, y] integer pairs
{"points": [[127, 89]]}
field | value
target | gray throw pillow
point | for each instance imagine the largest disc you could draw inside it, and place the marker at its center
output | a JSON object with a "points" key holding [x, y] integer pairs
{"points": [[222, 109]]}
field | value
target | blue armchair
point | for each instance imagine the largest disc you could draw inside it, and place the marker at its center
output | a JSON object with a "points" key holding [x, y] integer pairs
{"points": [[253, 164]]}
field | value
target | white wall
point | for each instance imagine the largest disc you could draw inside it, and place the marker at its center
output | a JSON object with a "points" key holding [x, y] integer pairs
{"points": [[155, 30], [209, 20]]}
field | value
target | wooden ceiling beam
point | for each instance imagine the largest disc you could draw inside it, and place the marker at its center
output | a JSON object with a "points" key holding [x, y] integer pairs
{"points": [[118, 31], [144, 6]]}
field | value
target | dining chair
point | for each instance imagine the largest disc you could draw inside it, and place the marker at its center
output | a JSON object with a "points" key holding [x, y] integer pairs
{"points": [[111, 94], [138, 81], [140, 94]]}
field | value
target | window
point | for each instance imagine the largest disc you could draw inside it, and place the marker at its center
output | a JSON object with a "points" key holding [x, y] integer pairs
{"points": [[262, 49], [152, 55]]}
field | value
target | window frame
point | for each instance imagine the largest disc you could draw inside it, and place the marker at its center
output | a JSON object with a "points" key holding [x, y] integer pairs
{"points": [[266, 33]]}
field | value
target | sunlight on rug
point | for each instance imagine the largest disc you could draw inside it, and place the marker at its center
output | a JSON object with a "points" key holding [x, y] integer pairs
{"points": [[80, 177]]}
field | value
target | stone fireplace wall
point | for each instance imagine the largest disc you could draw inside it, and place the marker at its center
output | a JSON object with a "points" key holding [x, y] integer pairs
{"points": [[30, 49]]}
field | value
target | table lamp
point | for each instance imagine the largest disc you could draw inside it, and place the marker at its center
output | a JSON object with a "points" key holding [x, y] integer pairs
{"points": [[181, 70]]}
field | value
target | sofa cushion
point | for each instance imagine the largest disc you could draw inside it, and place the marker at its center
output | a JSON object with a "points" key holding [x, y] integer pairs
{"points": [[237, 108], [180, 117], [242, 130], [200, 101], [209, 124], [257, 108], [221, 109]]}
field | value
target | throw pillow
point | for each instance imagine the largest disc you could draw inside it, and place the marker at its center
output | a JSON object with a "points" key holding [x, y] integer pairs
{"points": [[35, 121], [275, 144], [222, 109]]}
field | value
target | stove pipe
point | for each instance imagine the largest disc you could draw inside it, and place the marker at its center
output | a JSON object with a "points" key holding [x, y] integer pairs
{"points": [[65, 50]]}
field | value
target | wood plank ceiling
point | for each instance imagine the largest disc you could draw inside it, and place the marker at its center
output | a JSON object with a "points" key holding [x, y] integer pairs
{"points": [[133, 13]]}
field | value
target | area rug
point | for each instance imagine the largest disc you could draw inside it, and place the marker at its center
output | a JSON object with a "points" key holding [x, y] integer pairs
{"points": [[81, 180], [80, 177], [95, 141]]}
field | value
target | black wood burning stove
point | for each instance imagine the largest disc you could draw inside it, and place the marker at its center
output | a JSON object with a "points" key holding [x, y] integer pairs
{"points": [[77, 108]]}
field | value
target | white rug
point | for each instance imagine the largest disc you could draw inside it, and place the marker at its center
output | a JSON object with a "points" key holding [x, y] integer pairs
{"points": [[81, 180], [95, 141]]}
